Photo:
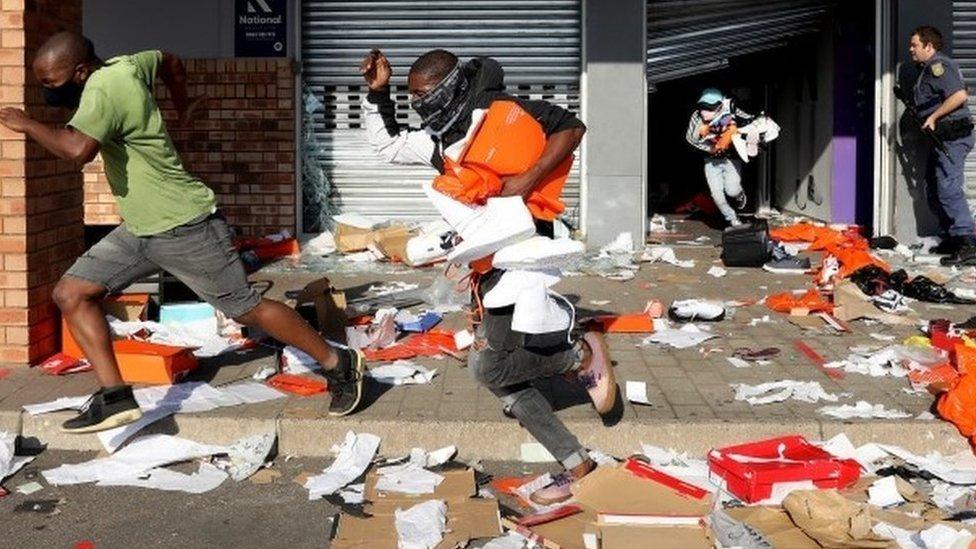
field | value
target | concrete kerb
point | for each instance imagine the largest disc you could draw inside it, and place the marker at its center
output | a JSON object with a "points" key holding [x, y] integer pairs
{"points": [[498, 440]]}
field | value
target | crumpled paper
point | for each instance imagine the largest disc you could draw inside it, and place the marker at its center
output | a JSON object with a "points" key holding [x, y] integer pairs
{"points": [[402, 372], [355, 455], [833, 520], [687, 336], [665, 254], [421, 526]]}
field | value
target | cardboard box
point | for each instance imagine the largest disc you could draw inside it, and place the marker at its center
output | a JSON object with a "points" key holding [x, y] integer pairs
{"points": [[349, 239], [617, 492], [151, 363], [126, 307], [393, 243], [774, 524], [627, 536], [467, 518]]}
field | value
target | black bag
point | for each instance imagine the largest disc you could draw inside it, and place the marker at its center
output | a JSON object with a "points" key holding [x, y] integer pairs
{"points": [[747, 246], [956, 128]]}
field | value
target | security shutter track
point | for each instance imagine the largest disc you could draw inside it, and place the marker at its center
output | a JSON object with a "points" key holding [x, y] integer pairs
{"points": [[964, 52], [536, 41], [687, 37]]}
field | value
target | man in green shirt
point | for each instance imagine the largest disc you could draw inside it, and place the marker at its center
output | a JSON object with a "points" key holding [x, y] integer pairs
{"points": [[170, 218]]}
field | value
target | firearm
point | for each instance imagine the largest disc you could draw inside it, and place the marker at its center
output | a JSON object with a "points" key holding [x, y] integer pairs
{"points": [[910, 107]]}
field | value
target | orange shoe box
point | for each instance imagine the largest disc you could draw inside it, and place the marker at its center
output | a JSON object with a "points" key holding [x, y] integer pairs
{"points": [[128, 307], [151, 363]]}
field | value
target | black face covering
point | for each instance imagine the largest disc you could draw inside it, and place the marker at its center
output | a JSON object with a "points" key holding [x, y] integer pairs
{"points": [[440, 107], [66, 95]]}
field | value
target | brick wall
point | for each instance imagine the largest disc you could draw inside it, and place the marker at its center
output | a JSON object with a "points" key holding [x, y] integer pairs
{"points": [[243, 146], [41, 204]]}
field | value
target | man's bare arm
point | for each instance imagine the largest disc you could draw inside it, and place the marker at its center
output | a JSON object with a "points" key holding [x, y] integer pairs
{"points": [[950, 104], [560, 145], [67, 143]]}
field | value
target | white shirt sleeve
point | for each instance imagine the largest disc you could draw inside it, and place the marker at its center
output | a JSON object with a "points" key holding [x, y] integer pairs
{"points": [[395, 143]]}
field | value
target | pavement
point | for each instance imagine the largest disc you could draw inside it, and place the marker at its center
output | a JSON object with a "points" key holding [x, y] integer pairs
{"points": [[690, 390]]}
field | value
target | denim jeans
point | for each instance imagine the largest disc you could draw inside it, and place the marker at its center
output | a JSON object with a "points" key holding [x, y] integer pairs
{"points": [[947, 186], [506, 362], [724, 177]]}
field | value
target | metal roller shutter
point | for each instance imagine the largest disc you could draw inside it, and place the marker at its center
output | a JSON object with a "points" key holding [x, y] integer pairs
{"points": [[686, 37], [964, 52], [536, 41]]}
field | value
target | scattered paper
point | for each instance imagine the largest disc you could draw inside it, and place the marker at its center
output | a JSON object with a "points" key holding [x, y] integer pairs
{"points": [[717, 272], [623, 244], [463, 339], [421, 526], [599, 303], [29, 488], [9, 462], [112, 439], [207, 478], [441, 456], [884, 492], [665, 254], [354, 494], [401, 372], [687, 336], [762, 320], [958, 468], [140, 455], [410, 477], [509, 541], [778, 391], [862, 410], [355, 454], [248, 454], [882, 337], [297, 361], [942, 536], [637, 392], [393, 287], [738, 362]]}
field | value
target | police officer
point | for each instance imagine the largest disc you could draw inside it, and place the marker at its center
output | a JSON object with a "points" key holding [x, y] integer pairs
{"points": [[940, 98]]}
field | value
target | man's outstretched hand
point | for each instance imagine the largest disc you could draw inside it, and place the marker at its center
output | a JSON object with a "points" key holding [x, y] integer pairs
{"points": [[375, 68], [14, 119]]}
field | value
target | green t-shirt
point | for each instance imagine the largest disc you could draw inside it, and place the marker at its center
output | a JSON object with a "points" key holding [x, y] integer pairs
{"points": [[154, 192]]}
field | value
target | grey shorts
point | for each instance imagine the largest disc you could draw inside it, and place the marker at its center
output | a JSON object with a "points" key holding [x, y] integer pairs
{"points": [[200, 254]]}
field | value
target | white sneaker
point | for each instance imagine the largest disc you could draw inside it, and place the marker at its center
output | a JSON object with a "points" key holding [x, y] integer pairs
{"points": [[696, 309], [511, 284], [538, 312], [539, 252], [425, 249], [503, 221]]}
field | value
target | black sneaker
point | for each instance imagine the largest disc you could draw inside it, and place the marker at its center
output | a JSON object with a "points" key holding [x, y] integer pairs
{"points": [[964, 256], [106, 409], [788, 265], [948, 246], [346, 382]]}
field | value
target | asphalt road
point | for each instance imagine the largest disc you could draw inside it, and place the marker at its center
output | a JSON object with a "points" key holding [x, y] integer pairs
{"points": [[239, 515]]}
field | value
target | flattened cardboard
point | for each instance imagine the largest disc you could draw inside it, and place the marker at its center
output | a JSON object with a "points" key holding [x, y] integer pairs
{"points": [[467, 519], [621, 536], [614, 490], [457, 485], [775, 525], [850, 303], [350, 239], [565, 533]]}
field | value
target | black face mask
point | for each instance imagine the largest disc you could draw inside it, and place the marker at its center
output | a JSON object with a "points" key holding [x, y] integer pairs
{"points": [[66, 95], [439, 108]]}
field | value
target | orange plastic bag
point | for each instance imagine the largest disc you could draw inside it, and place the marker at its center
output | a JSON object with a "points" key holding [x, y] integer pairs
{"points": [[786, 302], [958, 405], [851, 260], [432, 343], [943, 373], [298, 385], [636, 323], [965, 358], [508, 142]]}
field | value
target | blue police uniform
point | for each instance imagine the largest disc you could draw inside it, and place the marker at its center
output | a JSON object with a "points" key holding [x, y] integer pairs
{"points": [[939, 78]]}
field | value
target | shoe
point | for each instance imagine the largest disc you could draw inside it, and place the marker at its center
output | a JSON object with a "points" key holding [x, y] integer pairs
{"points": [[511, 284], [696, 309], [539, 252], [428, 248], [557, 491], [964, 256], [739, 202], [788, 265], [502, 222], [948, 246], [106, 409], [346, 381], [537, 312], [596, 373]]}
